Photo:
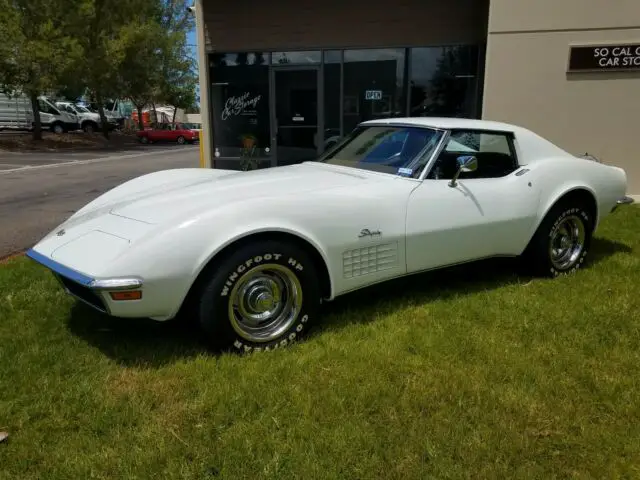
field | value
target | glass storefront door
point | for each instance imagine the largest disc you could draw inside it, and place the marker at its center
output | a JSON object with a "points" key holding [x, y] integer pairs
{"points": [[295, 114]]}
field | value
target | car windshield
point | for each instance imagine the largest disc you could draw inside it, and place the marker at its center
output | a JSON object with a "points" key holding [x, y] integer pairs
{"points": [[393, 149], [82, 109]]}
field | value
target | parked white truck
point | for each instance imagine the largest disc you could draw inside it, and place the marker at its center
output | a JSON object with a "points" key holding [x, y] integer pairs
{"points": [[16, 114], [89, 121]]}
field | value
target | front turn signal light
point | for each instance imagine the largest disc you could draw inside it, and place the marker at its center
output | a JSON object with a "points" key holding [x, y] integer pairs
{"points": [[126, 295]]}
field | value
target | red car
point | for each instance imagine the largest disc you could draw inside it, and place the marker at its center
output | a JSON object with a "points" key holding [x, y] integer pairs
{"points": [[169, 132]]}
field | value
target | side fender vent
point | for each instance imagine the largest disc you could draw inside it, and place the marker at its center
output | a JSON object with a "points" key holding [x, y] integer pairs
{"points": [[367, 260]]}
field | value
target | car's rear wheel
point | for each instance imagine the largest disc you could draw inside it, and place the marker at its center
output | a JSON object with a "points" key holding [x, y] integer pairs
{"points": [[263, 296], [562, 241]]}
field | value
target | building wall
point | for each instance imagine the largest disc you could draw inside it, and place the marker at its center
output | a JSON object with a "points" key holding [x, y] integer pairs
{"points": [[526, 79], [294, 24]]}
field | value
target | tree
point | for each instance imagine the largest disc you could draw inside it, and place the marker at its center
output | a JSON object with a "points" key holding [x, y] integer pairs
{"points": [[36, 48], [102, 30], [140, 77], [181, 96], [178, 68]]}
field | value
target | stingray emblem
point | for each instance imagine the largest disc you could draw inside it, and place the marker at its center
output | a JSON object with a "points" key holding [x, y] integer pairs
{"points": [[61, 232], [365, 232]]}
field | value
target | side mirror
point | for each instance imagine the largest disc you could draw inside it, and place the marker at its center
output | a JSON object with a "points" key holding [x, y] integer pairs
{"points": [[466, 163]]}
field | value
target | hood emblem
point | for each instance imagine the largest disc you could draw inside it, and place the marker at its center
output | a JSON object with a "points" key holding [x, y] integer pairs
{"points": [[365, 232], [61, 232]]}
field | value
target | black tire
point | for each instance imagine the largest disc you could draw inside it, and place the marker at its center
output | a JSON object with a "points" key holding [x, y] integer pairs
{"points": [[538, 256], [270, 259], [57, 128], [181, 140], [90, 127]]}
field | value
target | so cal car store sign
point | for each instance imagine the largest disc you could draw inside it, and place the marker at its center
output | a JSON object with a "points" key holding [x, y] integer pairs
{"points": [[598, 58]]}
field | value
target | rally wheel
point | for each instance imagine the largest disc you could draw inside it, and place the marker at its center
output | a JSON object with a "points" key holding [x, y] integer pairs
{"points": [[562, 241], [263, 296]]}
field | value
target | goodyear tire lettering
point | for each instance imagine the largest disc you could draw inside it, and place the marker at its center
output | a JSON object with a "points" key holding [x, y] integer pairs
{"points": [[555, 272], [247, 265], [295, 331]]}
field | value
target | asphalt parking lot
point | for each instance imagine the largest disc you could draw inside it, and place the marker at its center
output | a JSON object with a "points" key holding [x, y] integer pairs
{"points": [[40, 190]]}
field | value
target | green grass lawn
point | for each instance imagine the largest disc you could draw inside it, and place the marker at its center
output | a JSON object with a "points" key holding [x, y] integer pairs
{"points": [[467, 373]]}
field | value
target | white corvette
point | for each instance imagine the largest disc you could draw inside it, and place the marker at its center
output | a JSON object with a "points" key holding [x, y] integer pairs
{"points": [[254, 253]]}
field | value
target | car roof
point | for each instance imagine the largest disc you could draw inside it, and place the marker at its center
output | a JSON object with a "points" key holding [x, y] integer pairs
{"points": [[447, 123], [531, 146]]}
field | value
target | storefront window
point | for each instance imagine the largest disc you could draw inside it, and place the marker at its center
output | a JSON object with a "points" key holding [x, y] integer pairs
{"points": [[296, 57], [332, 69], [443, 81], [357, 85], [373, 85], [240, 105]]}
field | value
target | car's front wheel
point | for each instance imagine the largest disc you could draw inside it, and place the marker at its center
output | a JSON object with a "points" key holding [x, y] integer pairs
{"points": [[264, 296], [561, 243]]}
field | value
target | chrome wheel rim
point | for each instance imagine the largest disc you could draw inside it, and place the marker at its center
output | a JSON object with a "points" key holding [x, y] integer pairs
{"points": [[265, 302], [567, 242]]}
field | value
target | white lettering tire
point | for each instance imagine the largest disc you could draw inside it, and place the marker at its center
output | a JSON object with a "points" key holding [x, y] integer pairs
{"points": [[263, 296], [561, 242]]}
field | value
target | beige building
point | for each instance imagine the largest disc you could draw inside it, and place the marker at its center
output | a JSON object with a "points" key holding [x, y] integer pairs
{"points": [[281, 81]]}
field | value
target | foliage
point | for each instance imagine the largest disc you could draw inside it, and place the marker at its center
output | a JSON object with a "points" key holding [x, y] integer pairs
{"points": [[139, 74], [134, 49], [178, 79], [100, 26], [37, 47]]}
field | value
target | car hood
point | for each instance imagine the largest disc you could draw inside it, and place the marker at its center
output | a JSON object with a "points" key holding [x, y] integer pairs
{"points": [[202, 192]]}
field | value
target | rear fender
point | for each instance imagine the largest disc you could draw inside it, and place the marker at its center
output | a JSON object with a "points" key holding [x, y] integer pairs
{"points": [[551, 190]]}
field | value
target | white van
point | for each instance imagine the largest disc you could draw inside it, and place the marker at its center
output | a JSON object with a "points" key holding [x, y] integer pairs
{"points": [[16, 114], [89, 121]]}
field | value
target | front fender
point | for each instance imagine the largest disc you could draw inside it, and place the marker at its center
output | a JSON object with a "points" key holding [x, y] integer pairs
{"points": [[264, 226], [172, 258]]}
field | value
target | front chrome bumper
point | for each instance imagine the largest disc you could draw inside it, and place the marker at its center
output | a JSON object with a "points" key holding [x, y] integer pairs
{"points": [[83, 287]]}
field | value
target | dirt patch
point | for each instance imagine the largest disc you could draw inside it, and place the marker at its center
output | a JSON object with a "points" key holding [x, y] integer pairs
{"points": [[11, 256], [71, 141]]}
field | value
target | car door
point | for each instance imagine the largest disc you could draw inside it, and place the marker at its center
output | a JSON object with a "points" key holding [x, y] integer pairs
{"points": [[158, 133], [46, 114], [488, 212], [172, 132]]}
